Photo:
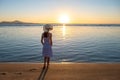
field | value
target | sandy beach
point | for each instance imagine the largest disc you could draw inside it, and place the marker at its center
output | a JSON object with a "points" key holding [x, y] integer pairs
{"points": [[59, 71]]}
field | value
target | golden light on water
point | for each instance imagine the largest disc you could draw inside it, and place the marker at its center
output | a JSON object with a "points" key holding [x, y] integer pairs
{"points": [[64, 31]]}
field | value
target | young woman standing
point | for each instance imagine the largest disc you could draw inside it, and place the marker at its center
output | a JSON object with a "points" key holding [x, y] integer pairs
{"points": [[46, 40]]}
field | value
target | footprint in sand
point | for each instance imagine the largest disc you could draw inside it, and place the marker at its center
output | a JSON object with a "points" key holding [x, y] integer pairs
{"points": [[33, 69], [18, 73], [3, 73]]}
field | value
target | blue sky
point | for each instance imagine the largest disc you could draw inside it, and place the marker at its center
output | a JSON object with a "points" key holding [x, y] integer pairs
{"points": [[48, 11]]}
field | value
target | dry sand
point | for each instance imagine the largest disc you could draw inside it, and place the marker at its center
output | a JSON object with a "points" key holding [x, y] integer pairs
{"points": [[60, 71]]}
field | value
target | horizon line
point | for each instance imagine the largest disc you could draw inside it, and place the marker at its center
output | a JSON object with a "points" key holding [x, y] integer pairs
{"points": [[52, 22]]}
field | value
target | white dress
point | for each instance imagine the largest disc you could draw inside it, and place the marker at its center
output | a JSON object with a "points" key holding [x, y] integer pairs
{"points": [[47, 48]]}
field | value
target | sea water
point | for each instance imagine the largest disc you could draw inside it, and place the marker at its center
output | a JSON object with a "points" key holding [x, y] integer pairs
{"points": [[70, 44]]}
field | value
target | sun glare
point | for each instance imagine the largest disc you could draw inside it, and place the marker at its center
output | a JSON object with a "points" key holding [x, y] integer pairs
{"points": [[64, 18]]}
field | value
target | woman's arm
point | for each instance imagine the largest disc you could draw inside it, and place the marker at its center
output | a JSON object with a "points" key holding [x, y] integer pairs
{"points": [[51, 39], [42, 39]]}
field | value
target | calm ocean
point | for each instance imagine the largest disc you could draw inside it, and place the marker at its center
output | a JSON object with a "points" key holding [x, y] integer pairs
{"points": [[70, 44]]}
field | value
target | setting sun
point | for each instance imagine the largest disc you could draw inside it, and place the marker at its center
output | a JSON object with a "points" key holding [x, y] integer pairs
{"points": [[64, 18]]}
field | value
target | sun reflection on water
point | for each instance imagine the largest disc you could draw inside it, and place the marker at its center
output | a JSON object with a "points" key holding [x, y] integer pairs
{"points": [[64, 31]]}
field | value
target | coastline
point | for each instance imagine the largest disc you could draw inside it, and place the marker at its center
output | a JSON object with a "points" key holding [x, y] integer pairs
{"points": [[59, 71]]}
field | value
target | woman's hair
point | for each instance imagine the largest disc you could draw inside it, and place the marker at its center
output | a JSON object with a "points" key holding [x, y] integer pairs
{"points": [[47, 27], [45, 34]]}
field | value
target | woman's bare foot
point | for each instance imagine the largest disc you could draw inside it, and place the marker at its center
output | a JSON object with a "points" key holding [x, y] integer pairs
{"points": [[44, 67], [47, 65]]}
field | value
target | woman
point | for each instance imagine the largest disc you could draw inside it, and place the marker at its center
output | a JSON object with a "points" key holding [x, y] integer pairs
{"points": [[46, 40]]}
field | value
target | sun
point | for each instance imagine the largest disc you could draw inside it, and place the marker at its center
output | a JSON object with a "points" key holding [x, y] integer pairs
{"points": [[64, 18]]}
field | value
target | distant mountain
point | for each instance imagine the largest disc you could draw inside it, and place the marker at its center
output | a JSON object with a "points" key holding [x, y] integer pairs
{"points": [[20, 23]]}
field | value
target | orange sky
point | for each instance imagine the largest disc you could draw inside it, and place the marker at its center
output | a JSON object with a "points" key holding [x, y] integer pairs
{"points": [[49, 11]]}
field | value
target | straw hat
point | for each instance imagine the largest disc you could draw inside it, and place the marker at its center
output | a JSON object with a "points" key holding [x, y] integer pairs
{"points": [[47, 27]]}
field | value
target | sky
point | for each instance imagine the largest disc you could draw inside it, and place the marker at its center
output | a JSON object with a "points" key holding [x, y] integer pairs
{"points": [[49, 11]]}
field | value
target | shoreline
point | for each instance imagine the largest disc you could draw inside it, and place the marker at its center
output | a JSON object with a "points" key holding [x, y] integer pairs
{"points": [[60, 71], [60, 62]]}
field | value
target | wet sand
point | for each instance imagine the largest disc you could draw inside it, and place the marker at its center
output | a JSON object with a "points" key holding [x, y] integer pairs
{"points": [[60, 71]]}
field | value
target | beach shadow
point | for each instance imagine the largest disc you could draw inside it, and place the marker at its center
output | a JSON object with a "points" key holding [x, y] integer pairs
{"points": [[43, 73]]}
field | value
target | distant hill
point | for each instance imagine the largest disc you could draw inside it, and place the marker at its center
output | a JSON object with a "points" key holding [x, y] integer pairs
{"points": [[20, 23]]}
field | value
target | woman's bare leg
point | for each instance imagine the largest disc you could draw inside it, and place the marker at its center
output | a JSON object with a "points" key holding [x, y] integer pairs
{"points": [[45, 60], [48, 60]]}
